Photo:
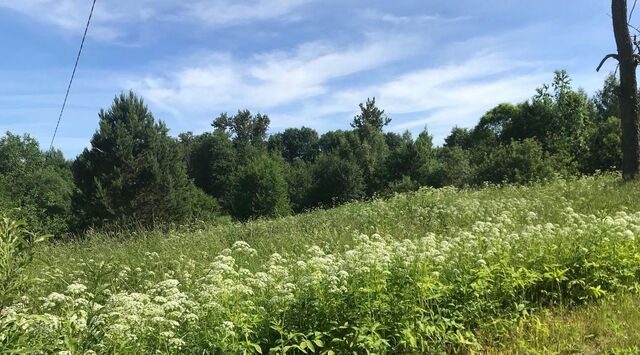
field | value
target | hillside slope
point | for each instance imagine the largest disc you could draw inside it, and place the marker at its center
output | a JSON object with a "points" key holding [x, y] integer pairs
{"points": [[434, 271]]}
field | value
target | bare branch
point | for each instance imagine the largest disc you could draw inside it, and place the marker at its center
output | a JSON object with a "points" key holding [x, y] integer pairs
{"points": [[612, 55]]}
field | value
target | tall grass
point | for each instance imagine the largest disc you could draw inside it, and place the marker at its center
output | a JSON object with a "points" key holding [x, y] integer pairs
{"points": [[421, 272]]}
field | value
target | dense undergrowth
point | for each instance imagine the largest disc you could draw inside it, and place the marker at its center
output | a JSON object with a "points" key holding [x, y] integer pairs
{"points": [[426, 272]]}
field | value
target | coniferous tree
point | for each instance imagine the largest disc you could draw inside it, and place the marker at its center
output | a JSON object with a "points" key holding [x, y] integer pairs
{"points": [[606, 100], [369, 146], [133, 171], [370, 115]]}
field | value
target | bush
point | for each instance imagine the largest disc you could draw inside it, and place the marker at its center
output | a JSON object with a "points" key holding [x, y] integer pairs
{"points": [[405, 184], [300, 180], [16, 252], [605, 146], [451, 168], [36, 186], [260, 189], [519, 162], [336, 181]]}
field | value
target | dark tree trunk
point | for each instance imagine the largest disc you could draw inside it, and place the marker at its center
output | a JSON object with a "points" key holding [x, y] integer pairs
{"points": [[628, 91]]}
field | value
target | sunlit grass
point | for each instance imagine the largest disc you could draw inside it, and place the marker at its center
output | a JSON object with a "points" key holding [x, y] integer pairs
{"points": [[433, 271], [608, 327]]}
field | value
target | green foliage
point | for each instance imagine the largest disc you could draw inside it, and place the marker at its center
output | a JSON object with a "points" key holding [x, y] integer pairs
{"points": [[260, 189], [518, 162], [299, 178], [504, 122], [296, 143], [370, 116], [246, 129], [370, 152], [605, 146], [609, 326], [425, 157], [35, 185], [361, 278], [452, 168], [460, 137], [335, 181], [335, 142], [16, 253], [401, 159], [404, 184], [211, 162], [606, 99], [134, 171]]}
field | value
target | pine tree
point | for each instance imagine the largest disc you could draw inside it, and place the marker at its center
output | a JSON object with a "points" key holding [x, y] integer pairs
{"points": [[370, 115], [133, 172]]}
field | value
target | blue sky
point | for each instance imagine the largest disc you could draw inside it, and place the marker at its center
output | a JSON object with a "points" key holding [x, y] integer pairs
{"points": [[303, 62]]}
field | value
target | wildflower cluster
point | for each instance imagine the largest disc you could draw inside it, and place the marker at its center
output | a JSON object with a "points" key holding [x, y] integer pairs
{"points": [[381, 293]]}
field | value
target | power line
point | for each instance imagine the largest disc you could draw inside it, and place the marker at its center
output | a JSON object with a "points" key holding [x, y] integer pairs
{"points": [[73, 74], [632, 8]]}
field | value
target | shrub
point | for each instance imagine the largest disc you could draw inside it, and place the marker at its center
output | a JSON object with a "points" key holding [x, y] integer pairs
{"points": [[16, 252], [519, 162], [336, 181], [260, 189], [36, 186]]}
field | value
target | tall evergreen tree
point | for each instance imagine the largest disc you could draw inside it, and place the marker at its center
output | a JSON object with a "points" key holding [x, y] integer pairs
{"points": [[370, 115], [134, 170], [607, 100]]}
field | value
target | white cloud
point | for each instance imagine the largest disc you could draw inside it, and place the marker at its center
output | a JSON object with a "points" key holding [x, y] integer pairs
{"points": [[112, 16], [69, 15], [376, 15], [456, 93], [309, 86], [224, 12], [221, 82]]}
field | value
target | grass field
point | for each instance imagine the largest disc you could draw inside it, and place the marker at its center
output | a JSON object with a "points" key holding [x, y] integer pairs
{"points": [[545, 268], [611, 326]]}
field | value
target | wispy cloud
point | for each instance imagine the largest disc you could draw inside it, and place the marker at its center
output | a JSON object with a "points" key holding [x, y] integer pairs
{"points": [[268, 80], [376, 15], [317, 81], [112, 18], [226, 12], [68, 15]]}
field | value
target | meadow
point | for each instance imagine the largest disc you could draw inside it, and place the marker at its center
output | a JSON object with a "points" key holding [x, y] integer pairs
{"points": [[496, 269]]}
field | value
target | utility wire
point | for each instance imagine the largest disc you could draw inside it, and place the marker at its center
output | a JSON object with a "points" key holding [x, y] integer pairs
{"points": [[635, 2], [73, 74]]}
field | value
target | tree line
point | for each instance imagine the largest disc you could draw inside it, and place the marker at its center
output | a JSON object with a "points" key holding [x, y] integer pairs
{"points": [[135, 173]]}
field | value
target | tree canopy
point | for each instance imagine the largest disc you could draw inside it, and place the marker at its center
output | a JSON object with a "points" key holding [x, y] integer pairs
{"points": [[135, 172]]}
